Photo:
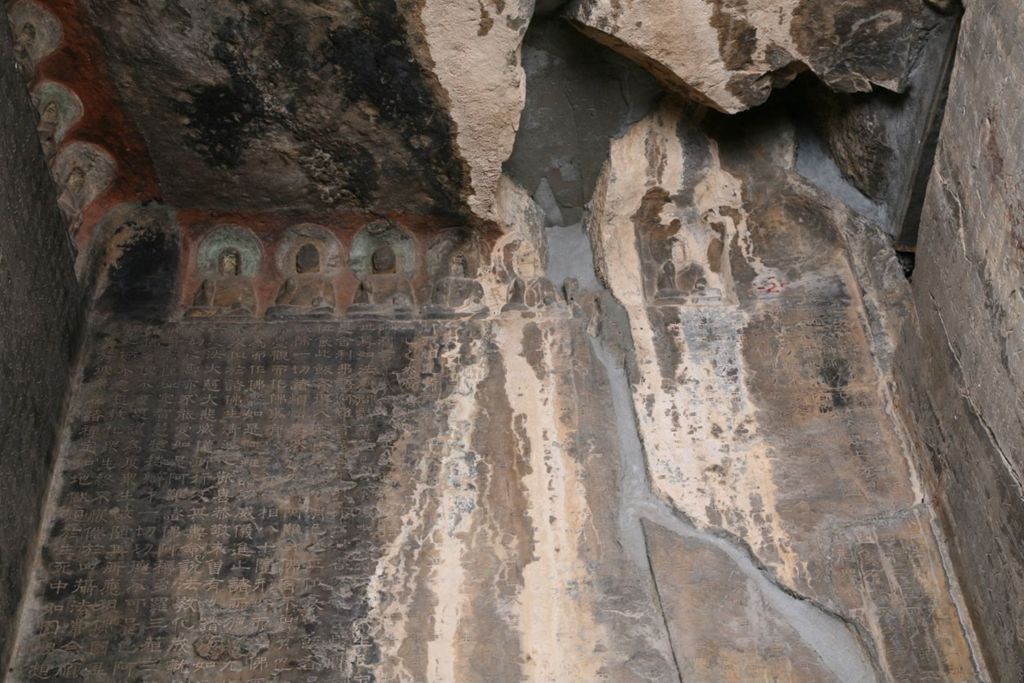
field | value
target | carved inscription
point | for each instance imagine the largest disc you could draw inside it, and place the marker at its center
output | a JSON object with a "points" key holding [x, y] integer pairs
{"points": [[216, 515]]}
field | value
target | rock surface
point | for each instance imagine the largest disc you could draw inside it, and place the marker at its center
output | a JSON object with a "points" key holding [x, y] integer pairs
{"points": [[391, 106], [531, 492], [729, 54], [960, 363], [747, 640], [350, 408], [579, 95], [755, 372], [41, 306]]}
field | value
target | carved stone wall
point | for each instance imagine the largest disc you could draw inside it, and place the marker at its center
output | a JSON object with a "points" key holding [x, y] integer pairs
{"points": [[354, 405], [413, 457], [340, 501], [758, 368], [962, 362], [40, 313]]}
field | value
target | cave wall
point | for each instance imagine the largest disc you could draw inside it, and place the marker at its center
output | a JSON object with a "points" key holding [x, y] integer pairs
{"points": [[960, 363], [579, 95], [882, 142], [40, 313]]}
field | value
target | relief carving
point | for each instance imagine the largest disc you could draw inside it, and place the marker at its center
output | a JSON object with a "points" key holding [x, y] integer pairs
{"points": [[528, 288], [36, 33], [686, 264], [384, 259], [59, 110], [454, 262], [82, 172], [312, 257], [228, 259]]}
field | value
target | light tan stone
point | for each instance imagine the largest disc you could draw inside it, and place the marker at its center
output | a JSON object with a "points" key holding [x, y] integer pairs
{"points": [[475, 51], [729, 54]]}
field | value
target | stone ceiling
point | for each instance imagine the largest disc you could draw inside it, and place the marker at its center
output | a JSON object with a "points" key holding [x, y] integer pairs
{"points": [[383, 107], [282, 104]]}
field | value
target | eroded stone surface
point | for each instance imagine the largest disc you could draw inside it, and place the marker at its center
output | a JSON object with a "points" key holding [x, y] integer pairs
{"points": [[350, 446], [474, 53], [464, 499], [291, 502], [755, 374], [959, 364], [579, 95], [730, 54], [41, 309], [746, 640], [391, 105]]}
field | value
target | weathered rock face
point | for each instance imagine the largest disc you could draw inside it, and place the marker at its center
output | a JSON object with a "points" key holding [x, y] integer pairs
{"points": [[549, 483], [883, 143], [372, 497], [41, 310], [696, 580], [390, 106], [473, 49], [351, 409], [960, 363], [730, 54], [579, 96], [755, 372]]}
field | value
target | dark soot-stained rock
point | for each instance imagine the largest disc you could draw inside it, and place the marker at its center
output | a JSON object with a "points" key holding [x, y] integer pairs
{"points": [[286, 104]]}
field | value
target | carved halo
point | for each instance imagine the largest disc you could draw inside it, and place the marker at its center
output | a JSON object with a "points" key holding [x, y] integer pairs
{"points": [[451, 241], [69, 107], [48, 34], [376, 235], [234, 237], [331, 253], [97, 166]]}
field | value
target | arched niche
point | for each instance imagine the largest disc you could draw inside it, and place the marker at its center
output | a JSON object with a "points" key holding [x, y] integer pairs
{"points": [[323, 240], [36, 33], [132, 267], [59, 111], [82, 171], [225, 237], [376, 235], [310, 258]]}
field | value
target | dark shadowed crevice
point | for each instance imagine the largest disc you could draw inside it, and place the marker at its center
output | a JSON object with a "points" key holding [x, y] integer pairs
{"points": [[908, 234]]}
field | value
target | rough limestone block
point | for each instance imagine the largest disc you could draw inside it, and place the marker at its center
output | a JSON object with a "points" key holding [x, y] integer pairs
{"points": [[961, 365], [756, 373], [729, 54]]}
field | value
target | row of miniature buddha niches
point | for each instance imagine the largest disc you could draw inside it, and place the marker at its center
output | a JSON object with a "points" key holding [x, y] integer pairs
{"points": [[310, 261]]}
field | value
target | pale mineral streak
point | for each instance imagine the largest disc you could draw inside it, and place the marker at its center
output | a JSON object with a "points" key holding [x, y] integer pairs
{"points": [[421, 434], [714, 479], [475, 48], [754, 367]]}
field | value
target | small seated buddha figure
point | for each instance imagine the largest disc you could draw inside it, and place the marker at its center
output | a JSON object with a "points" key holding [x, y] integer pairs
{"points": [[24, 44], [690, 285], [456, 293], [534, 293], [226, 294], [541, 293], [516, 296], [667, 287], [385, 290], [308, 293], [693, 282], [49, 121], [71, 198]]}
